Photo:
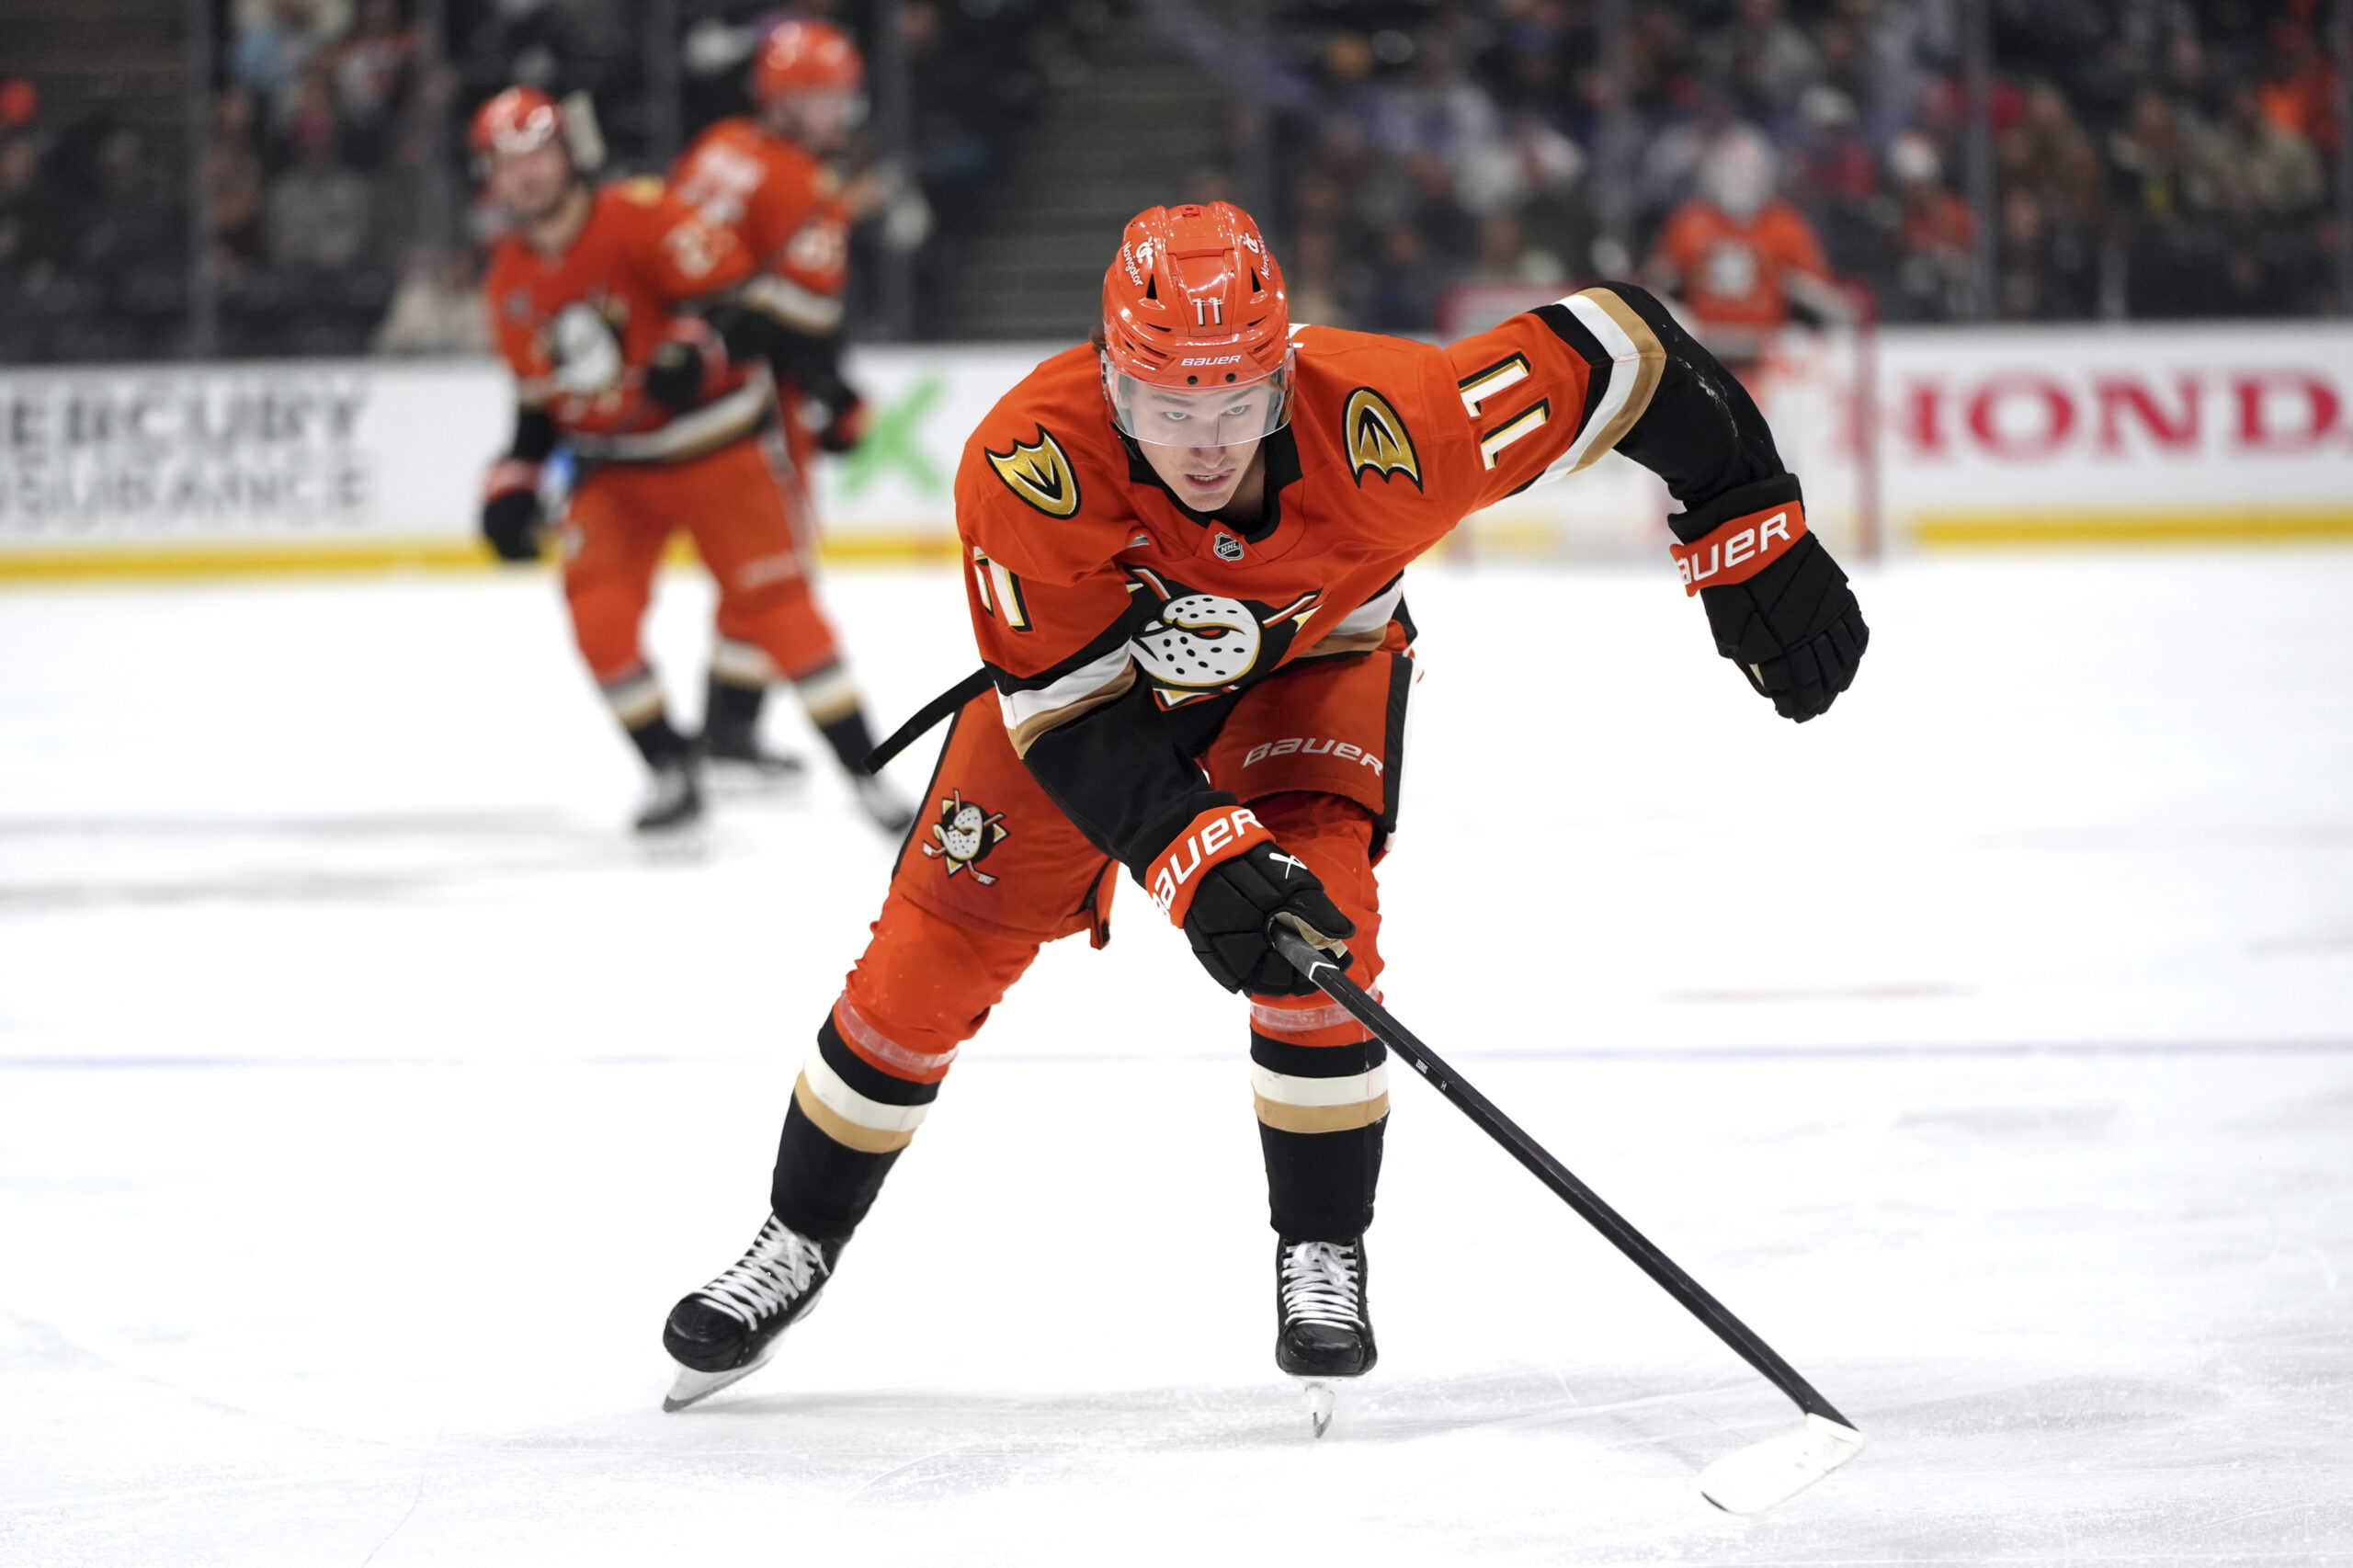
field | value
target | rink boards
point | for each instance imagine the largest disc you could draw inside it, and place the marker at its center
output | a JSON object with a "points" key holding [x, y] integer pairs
{"points": [[1988, 436]]}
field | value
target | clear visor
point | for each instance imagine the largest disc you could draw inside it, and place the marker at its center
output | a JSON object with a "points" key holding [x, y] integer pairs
{"points": [[826, 109], [1203, 416]]}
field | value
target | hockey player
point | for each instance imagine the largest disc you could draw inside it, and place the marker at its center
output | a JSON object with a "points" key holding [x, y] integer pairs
{"points": [[590, 295], [1185, 544], [766, 180]]}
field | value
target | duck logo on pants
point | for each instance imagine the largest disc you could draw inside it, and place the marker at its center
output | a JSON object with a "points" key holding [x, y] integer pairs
{"points": [[965, 835]]}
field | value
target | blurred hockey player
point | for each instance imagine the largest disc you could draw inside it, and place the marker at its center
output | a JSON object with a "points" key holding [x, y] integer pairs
{"points": [[596, 297], [1185, 544], [769, 181], [1737, 256]]}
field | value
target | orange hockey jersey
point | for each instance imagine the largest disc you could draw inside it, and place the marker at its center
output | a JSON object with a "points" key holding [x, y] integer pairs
{"points": [[786, 207], [1090, 586], [578, 329], [1733, 273]]}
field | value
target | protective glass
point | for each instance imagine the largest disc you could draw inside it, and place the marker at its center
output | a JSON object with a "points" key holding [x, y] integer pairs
{"points": [[1198, 417]]}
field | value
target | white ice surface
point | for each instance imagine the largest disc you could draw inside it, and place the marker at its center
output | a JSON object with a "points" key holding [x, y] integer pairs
{"points": [[367, 1097]]}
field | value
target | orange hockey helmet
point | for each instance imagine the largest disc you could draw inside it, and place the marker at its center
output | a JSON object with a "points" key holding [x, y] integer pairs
{"points": [[803, 56], [514, 121], [1196, 329]]}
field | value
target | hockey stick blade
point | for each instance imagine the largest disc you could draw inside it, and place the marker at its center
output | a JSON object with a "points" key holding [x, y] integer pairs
{"points": [[1748, 1481], [1767, 1474]]}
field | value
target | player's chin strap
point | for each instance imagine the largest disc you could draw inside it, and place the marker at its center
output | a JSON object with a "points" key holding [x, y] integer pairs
{"points": [[931, 713]]}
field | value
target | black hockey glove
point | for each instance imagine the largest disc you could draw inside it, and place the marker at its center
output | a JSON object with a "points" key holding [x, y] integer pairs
{"points": [[845, 427], [1777, 604], [1225, 881], [690, 358], [674, 377], [512, 522]]}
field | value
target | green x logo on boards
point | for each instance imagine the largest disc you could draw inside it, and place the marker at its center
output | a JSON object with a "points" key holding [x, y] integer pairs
{"points": [[895, 440]]}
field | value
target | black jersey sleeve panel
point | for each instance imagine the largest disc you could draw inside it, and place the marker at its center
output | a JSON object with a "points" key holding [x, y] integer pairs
{"points": [[1121, 775], [1573, 332], [1701, 432], [535, 434], [809, 360]]}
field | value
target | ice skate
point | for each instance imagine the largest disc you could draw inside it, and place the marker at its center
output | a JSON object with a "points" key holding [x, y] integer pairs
{"points": [[1324, 1326], [883, 805], [673, 798], [739, 762], [727, 1330]]}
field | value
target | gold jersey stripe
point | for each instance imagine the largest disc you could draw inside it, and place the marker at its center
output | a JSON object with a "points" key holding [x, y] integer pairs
{"points": [[841, 1130], [1320, 1119], [1647, 369]]}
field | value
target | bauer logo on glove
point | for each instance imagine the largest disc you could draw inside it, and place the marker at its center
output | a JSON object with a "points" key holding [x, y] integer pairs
{"points": [[1213, 837], [1739, 550]]}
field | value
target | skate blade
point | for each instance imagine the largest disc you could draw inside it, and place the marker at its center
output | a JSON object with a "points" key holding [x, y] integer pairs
{"points": [[679, 844], [1766, 1475], [691, 1387], [1322, 1400], [733, 780]]}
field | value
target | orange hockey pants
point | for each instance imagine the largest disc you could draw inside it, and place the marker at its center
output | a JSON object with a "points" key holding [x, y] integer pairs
{"points": [[747, 512], [998, 870]]}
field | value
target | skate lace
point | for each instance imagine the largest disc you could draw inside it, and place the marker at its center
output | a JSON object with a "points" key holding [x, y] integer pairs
{"points": [[778, 1268], [1319, 1283]]}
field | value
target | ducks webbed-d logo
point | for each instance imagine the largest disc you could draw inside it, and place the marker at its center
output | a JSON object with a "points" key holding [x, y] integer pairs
{"points": [[1377, 439], [1039, 473]]}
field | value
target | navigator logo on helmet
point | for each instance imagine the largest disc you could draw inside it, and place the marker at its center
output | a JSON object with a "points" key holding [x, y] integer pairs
{"points": [[1195, 330]]}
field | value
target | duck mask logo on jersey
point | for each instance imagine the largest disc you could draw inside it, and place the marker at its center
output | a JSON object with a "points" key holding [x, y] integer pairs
{"points": [[965, 835], [583, 348], [1039, 473], [1198, 644], [1377, 438]]}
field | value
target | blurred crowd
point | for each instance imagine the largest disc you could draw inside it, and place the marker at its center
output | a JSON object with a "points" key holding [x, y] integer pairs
{"points": [[342, 214], [2152, 158]]}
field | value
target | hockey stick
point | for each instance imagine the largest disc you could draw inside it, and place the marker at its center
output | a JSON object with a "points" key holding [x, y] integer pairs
{"points": [[1747, 1481], [931, 713]]}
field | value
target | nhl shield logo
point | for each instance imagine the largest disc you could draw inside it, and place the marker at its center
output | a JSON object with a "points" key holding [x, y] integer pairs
{"points": [[965, 835], [1226, 546]]}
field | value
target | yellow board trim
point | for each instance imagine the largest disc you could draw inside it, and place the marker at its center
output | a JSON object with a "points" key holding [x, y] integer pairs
{"points": [[231, 559], [892, 547], [875, 547], [2151, 526]]}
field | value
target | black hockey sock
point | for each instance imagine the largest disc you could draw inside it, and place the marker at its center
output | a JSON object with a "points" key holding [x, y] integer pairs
{"points": [[850, 738], [661, 745], [820, 1188], [1320, 1183], [731, 709], [823, 1182]]}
